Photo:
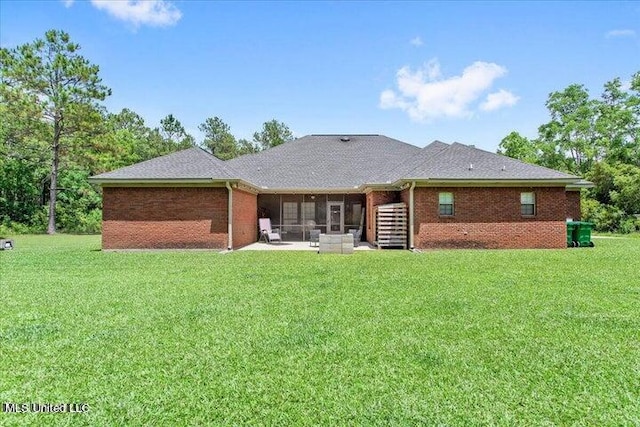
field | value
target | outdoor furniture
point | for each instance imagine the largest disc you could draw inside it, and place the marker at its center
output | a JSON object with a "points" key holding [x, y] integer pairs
{"points": [[270, 235], [314, 237], [357, 235], [336, 244]]}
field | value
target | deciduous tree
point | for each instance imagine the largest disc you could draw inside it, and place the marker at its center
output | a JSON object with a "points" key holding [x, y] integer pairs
{"points": [[518, 147], [272, 134]]}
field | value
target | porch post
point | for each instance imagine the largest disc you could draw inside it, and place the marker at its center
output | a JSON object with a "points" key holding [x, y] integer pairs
{"points": [[229, 217], [411, 214]]}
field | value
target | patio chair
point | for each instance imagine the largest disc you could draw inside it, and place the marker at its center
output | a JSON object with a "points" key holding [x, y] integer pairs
{"points": [[314, 237], [270, 235]]}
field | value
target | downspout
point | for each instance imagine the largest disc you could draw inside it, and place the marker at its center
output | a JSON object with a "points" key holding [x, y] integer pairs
{"points": [[230, 217], [412, 213]]}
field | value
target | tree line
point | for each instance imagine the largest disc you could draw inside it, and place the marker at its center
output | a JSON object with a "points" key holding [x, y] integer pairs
{"points": [[55, 133], [597, 139]]}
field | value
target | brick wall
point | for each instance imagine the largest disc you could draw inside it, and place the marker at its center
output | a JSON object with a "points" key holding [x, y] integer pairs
{"points": [[490, 218], [573, 205], [374, 199], [159, 217], [245, 218]]}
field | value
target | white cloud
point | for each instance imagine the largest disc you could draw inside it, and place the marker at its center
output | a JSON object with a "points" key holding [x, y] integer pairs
{"points": [[620, 33], [68, 3], [155, 13], [416, 41], [425, 95], [496, 100]]}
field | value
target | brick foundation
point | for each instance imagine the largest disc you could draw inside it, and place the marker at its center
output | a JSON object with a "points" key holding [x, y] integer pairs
{"points": [[171, 217]]}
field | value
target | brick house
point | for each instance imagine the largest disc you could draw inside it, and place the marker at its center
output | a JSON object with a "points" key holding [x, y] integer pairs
{"points": [[457, 196]]}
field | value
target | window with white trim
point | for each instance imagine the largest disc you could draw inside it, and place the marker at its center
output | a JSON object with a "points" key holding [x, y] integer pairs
{"points": [[445, 203], [527, 204]]}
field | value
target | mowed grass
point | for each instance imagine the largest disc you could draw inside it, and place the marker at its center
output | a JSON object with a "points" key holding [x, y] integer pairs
{"points": [[521, 337]]}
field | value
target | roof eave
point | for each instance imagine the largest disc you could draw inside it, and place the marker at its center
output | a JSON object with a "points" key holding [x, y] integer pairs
{"points": [[458, 182], [310, 190], [161, 181], [580, 185]]}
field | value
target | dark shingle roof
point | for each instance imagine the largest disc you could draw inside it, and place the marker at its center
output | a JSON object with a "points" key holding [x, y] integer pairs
{"points": [[192, 163], [325, 161], [459, 161], [337, 162]]}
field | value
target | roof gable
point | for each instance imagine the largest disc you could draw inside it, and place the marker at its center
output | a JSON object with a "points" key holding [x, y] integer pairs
{"points": [[325, 162]]}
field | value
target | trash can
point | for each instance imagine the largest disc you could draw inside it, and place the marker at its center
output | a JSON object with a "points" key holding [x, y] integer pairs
{"points": [[583, 234], [572, 240]]}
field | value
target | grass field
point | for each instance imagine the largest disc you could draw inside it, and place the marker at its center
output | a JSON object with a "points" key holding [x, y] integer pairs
{"points": [[521, 337]]}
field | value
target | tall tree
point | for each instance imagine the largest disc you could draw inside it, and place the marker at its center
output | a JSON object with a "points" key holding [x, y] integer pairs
{"points": [[598, 139], [518, 147], [173, 131], [218, 138], [273, 133], [65, 84], [618, 123], [244, 146], [571, 129]]}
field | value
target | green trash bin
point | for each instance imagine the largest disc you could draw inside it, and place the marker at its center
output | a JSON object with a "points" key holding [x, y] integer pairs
{"points": [[583, 234], [571, 233]]}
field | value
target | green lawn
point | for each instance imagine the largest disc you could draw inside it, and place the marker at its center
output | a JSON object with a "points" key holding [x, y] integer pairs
{"points": [[521, 337]]}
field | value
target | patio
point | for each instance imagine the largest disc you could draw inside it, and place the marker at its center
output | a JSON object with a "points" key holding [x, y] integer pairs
{"points": [[295, 246]]}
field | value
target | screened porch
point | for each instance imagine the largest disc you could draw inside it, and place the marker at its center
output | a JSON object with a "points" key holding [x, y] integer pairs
{"points": [[296, 214]]}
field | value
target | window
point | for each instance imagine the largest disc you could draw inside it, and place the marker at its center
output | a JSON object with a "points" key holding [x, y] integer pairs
{"points": [[289, 213], [528, 204], [308, 212], [446, 203]]}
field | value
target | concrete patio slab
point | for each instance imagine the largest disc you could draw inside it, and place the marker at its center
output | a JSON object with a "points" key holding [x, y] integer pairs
{"points": [[294, 246]]}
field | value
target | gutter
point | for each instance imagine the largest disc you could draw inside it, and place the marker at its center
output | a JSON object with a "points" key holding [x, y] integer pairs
{"points": [[412, 213], [229, 217]]}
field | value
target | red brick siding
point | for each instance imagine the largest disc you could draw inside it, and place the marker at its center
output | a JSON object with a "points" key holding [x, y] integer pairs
{"points": [[490, 218], [404, 197], [374, 199], [245, 218], [164, 217], [573, 205]]}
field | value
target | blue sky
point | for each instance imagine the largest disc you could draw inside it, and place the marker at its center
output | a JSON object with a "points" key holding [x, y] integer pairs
{"points": [[417, 71]]}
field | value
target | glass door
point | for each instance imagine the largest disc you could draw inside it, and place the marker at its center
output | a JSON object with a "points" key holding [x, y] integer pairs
{"points": [[335, 217]]}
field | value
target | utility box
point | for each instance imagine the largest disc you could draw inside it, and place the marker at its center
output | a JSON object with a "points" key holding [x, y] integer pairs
{"points": [[6, 244]]}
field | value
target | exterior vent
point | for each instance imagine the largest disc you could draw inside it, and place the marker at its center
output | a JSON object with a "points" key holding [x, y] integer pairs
{"points": [[345, 139]]}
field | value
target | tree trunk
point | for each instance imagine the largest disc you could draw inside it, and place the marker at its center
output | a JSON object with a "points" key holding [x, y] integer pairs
{"points": [[53, 195]]}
